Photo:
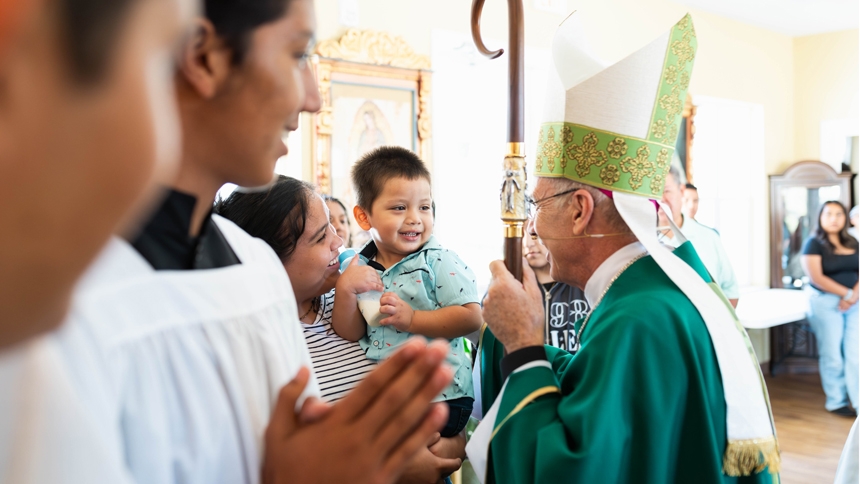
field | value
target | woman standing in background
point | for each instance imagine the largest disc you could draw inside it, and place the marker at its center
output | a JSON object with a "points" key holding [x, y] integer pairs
{"points": [[830, 261]]}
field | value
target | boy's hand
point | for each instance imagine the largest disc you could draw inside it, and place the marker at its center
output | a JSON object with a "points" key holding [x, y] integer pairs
{"points": [[400, 313], [357, 279]]}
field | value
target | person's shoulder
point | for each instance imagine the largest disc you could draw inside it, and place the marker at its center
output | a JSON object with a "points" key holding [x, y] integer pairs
{"points": [[812, 246], [700, 230], [246, 246]]}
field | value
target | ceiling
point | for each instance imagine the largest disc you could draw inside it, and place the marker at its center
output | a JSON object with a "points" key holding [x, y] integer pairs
{"points": [[790, 17]]}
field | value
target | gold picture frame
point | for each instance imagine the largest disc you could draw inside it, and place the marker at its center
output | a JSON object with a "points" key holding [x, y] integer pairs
{"points": [[375, 90]]}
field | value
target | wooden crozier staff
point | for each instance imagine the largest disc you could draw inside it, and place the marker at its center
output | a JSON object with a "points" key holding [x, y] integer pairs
{"points": [[513, 187]]}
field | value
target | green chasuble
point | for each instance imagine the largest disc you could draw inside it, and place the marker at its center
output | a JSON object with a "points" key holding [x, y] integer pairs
{"points": [[640, 402]]}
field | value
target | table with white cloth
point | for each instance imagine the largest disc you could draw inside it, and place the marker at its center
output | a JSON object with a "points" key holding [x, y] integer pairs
{"points": [[761, 308]]}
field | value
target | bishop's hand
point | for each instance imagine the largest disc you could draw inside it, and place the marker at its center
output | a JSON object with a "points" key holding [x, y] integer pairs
{"points": [[514, 309]]}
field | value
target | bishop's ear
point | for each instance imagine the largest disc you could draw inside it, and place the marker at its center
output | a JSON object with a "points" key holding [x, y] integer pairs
{"points": [[361, 217], [580, 210]]}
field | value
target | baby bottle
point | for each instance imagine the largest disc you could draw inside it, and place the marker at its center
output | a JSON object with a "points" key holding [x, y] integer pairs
{"points": [[368, 302]]}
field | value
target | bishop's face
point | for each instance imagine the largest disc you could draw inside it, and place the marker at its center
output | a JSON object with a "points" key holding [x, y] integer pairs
{"points": [[551, 222]]}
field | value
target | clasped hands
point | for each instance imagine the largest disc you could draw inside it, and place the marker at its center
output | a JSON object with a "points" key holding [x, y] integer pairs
{"points": [[368, 437]]}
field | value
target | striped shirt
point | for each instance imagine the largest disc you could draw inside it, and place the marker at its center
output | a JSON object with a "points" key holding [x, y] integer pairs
{"points": [[339, 364]]}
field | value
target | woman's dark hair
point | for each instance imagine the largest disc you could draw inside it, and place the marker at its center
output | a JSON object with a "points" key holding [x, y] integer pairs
{"points": [[235, 20], [90, 30], [844, 238], [277, 215]]}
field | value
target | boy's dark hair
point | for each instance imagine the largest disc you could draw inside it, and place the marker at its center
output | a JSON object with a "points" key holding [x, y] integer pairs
{"points": [[235, 20], [278, 215], [374, 169]]}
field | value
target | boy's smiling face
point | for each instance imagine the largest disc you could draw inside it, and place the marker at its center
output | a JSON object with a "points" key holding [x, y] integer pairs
{"points": [[400, 220]]}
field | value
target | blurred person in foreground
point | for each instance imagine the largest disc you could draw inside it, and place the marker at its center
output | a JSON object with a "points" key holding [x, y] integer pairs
{"points": [[705, 240], [87, 121], [197, 320], [830, 261], [665, 386]]}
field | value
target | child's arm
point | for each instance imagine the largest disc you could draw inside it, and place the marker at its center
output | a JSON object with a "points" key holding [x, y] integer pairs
{"points": [[346, 319], [448, 322]]}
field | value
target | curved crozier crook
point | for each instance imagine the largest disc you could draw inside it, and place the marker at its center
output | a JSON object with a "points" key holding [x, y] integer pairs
{"points": [[477, 7]]}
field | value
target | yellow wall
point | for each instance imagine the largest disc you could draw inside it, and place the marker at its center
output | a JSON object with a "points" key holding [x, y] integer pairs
{"points": [[826, 86]]}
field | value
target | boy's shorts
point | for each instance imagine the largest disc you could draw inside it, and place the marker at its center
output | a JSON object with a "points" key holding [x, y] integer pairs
{"points": [[459, 411]]}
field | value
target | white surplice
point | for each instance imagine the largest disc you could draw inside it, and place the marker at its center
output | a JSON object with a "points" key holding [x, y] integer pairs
{"points": [[47, 433], [185, 366]]}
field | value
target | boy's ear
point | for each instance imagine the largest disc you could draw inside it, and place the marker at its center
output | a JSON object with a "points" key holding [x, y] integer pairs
{"points": [[361, 217]]}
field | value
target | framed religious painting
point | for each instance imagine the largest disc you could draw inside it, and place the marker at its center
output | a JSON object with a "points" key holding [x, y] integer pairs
{"points": [[375, 91]]}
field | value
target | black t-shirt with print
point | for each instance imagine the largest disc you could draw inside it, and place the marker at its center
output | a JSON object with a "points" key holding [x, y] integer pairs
{"points": [[565, 305]]}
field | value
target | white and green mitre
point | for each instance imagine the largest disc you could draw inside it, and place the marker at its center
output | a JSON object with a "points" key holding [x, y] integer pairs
{"points": [[615, 128]]}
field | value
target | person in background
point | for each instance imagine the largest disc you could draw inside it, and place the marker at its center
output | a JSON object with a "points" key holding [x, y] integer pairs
{"points": [[691, 201], [705, 240], [87, 118], [289, 217], [339, 219], [854, 217], [563, 304], [830, 261]]}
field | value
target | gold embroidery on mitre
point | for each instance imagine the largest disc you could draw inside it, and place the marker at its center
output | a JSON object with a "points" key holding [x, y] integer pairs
{"points": [[672, 135], [683, 49], [657, 184], [685, 80], [566, 135], [658, 129], [550, 150], [639, 167], [663, 159], [586, 154], [609, 174], [617, 148], [671, 75], [672, 104]]}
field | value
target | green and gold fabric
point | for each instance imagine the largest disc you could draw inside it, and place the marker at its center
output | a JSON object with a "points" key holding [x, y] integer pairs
{"points": [[655, 413]]}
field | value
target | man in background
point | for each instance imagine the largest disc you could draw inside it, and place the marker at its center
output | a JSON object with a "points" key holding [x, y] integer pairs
{"points": [[705, 240], [691, 201]]}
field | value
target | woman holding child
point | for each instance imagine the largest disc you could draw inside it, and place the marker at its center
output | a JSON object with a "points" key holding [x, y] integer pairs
{"points": [[294, 221]]}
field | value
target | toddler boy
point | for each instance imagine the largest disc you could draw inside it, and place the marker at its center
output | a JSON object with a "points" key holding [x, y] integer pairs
{"points": [[428, 289]]}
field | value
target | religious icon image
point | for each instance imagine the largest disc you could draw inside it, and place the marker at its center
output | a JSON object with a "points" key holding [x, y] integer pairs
{"points": [[370, 129]]}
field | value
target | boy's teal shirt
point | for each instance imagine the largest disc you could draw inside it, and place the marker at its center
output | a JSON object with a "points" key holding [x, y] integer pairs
{"points": [[429, 279], [640, 402]]}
